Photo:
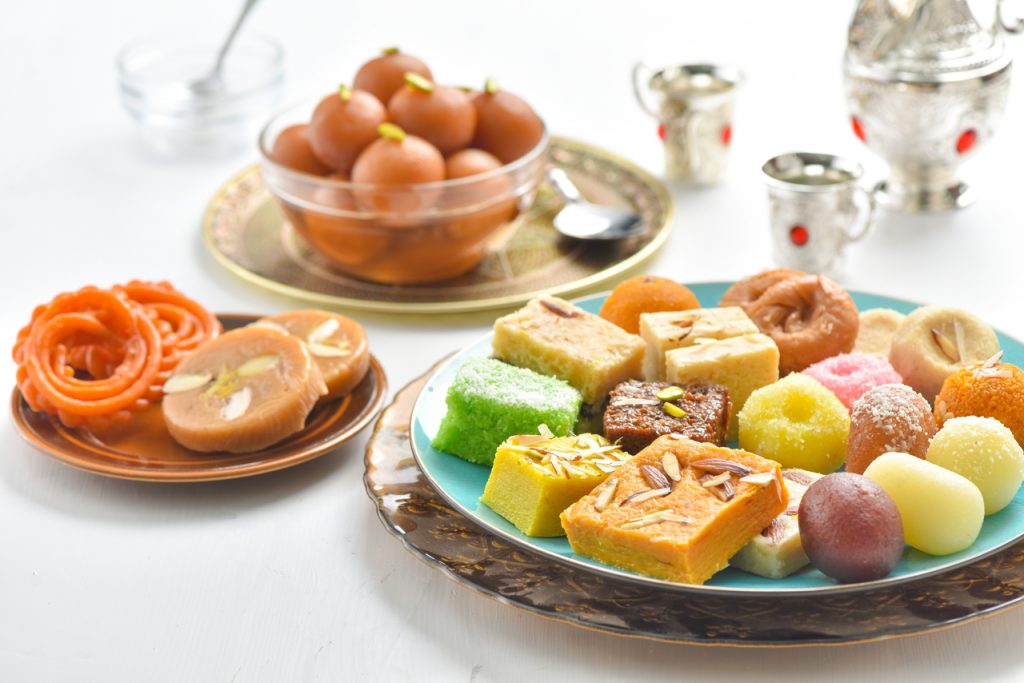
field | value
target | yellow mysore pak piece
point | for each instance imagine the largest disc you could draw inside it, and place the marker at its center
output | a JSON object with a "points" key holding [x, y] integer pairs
{"points": [[678, 510], [534, 478], [553, 337]]}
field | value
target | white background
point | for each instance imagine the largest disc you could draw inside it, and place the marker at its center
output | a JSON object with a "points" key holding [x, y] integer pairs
{"points": [[290, 576]]}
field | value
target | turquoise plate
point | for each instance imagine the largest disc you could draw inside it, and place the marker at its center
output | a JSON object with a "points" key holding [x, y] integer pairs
{"points": [[462, 483]]}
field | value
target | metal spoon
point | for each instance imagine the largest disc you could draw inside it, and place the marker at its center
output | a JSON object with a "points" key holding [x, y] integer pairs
{"points": [[583, 220], [212, 82]]}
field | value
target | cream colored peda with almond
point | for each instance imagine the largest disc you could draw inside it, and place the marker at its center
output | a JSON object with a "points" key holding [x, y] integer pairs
{"points": [[243, 391], [336, 343]]}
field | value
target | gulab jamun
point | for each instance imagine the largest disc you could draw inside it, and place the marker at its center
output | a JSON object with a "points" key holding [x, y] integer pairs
{"points": [[441, 115], [506, 126], [343, 125], [469, 162], [383, 76], [292, 149], [397, 159], [850, 528]]}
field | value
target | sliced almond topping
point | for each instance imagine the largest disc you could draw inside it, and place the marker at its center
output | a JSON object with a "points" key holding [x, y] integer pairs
{"points": [[641, 496], [633, 402], [606, 494], [958, 335], [670, 464], [716, 480], [257, 365], [655, 477], [940, 411], [545, 431], [761, 479], [717, 465], [528, 439], [655, 518], [947, 346], [186, 382], [237, 404], [797, 476], [323, 331], [329, 350], [773, 532], [556, 465], [269, 325], [993, 360], [558, 310]]}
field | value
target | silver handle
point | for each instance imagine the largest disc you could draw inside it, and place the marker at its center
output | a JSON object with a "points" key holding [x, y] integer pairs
{"points": [[563, 186], [866, 214], [639, 71], [246, 8], [1017, 26]]}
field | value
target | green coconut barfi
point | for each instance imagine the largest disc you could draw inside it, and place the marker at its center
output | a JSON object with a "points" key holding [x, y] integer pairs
{"points": [[489, 401]]}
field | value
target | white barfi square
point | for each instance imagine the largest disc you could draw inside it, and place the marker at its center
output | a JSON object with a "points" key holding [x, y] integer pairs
{"points": [[663, 332], [740, 364]]}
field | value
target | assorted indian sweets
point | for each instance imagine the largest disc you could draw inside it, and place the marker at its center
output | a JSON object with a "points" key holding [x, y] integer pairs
{"points": [[95, 357], [611, 429]]}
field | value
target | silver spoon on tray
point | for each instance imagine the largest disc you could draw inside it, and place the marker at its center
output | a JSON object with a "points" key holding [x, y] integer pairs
{"points": [[584, 220], [213, 82]]}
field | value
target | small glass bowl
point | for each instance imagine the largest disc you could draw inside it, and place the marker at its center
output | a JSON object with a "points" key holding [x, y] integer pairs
{"points": [[155, 76], [402, 234]]}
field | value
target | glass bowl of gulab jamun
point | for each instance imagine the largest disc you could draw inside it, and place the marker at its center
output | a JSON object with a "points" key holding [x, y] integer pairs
{"points": [[400, 180]]}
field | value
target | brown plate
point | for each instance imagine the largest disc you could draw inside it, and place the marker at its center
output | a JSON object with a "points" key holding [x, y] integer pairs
{"points": [[144, 450], [246, 232], [414, 513]]}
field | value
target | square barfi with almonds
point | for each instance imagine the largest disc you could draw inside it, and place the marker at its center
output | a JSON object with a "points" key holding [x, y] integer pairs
{"points": [[553, 337], [663, 332], [777, 552], [535, 477], [678, 510], [741, 364], [640, 412], [489, 401]]}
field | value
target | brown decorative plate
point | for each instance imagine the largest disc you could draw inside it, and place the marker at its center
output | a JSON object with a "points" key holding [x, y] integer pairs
{"points": [[247, 233], [145, 451], [412, 511]]}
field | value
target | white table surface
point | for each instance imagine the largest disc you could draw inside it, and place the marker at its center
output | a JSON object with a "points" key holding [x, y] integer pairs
{"points": [[290, 577]]}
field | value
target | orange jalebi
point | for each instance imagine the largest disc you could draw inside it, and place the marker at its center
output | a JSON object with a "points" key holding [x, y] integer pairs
{"points": [[182, 323], [93, 357]]}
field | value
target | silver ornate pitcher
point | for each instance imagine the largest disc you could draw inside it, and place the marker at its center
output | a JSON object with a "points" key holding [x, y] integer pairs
{"points": [[926, 83]]}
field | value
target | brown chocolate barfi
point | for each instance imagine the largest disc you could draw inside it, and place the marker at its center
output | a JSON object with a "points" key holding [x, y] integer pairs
{"points": [[640, 412]]}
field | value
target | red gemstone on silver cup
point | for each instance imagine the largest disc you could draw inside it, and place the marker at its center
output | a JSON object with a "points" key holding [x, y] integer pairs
{"points": [[661, 131], [965, 143], [726, 134], [798, 235], [858, 129]]}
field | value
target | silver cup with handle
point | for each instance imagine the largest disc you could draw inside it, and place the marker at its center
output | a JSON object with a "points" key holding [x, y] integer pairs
{"points": [[816, 207], [693, 104]]}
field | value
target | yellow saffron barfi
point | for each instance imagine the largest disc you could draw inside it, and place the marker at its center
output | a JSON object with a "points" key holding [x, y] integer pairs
{"points": [[534, 478], [554, 337], [740, 364], [777, 551], [678, 510], [663, 332]]}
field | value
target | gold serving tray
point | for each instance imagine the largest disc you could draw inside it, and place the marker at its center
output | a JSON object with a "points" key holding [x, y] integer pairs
{"points": [[246, 232]]}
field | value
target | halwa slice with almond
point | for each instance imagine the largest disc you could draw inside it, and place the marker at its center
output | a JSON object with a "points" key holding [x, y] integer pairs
{"points": [[337, 343], [243, 391]]}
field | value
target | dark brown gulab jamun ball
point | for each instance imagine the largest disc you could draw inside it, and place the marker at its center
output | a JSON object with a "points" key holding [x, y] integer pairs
{"points": [[383, 76], [343, 125], [469, 162], [396, 158], [292, 149], [443, 116], [850, 528], [506, 126]]}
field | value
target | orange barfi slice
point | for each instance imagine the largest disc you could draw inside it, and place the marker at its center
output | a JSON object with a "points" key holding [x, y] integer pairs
{"points": [[678, 510]]}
